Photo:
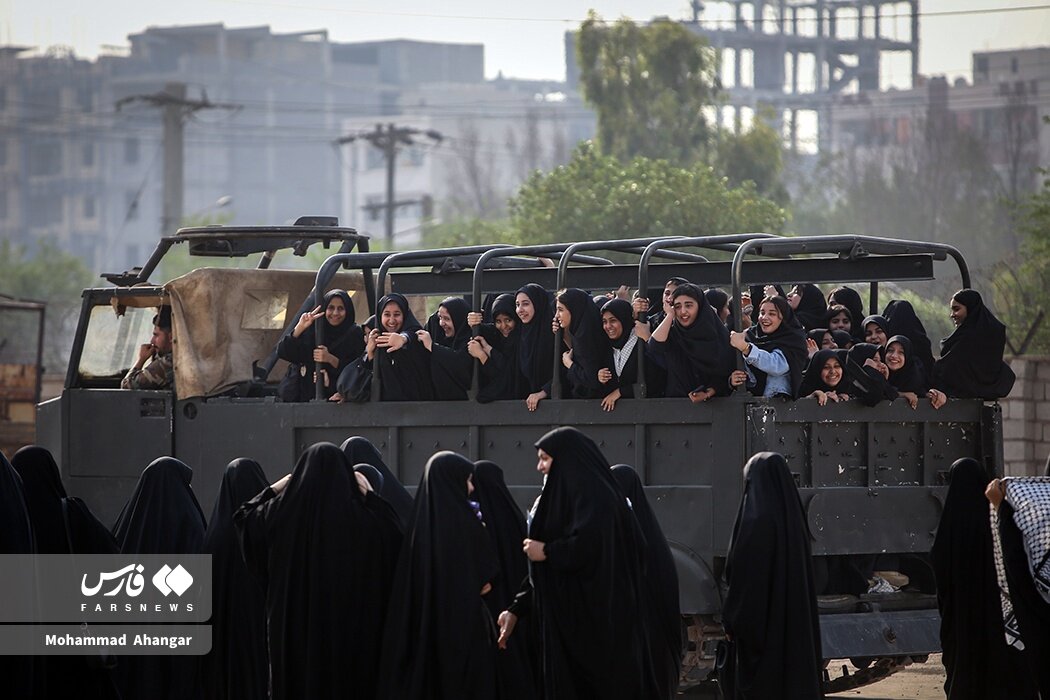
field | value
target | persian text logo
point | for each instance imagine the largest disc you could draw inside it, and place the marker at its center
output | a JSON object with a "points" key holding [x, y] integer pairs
{"points": [[129, 578], [168, 580]]}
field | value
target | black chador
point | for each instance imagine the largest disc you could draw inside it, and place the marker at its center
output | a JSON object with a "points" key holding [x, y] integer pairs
{"points": [[848, 297], [661, 583], [536, 346], [977, 660], [902, 320], [237, 666], [22, 676], [63, 525], [315, 548], [517, 666], [439, 641], [359, 450], [161, 517], [590, 346], [500, 377], [770, 609], [697, 356], [589, 590], [451, 367], [345, 341], [971, 364]]}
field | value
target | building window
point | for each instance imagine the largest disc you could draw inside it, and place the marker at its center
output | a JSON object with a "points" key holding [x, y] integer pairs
{"points": [[131, 151], [45, 158], [84, 99], [87, 158], [1013, 64], [44, 210], [981, 66], [89, 207]]}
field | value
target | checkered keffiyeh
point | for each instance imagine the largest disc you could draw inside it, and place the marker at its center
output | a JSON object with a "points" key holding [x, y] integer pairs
{"points": [[1013, 634], [1030, 498]]}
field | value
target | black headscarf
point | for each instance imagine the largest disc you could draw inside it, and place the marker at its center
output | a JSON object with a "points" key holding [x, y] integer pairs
{"points": [[699, 355], [909, 377], [161, 517], [1031, 610], [43, 492], [902, 320], [718, 300], [848, 297], [451, 366], [770, 609], [237, 666], [439, 639], [375, 479], [589, 589], [314, 547], [788, 338], [20, 678], [817, 336], [879, 321], [866, 384], [536, 351], [843, 339], [811, 379], [977, 660], [517, 667], [624, 313], [359, 450], [661, 584], [811, 306], [590, 346], [499, 377], [405, 373], [971, 364]]}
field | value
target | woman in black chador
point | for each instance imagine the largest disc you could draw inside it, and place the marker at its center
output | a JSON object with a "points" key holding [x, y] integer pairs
{"points": [[161, 517], [807, 302], [359, 450], [902, 320], [978, 663], [535, 310], [770, 609], [589, 350], [517, 664], [588, 558], [661, 579], [395, 350], [693, 344], [63, 525], [22, 676], [312, 543], [439, 641], [971, 364], [237, 666], [850, 298], [344, 341], [446, 337], [496, 349]]}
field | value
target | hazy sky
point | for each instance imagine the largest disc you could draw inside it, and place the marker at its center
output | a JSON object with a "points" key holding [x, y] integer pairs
{"points": [[522, 40]]}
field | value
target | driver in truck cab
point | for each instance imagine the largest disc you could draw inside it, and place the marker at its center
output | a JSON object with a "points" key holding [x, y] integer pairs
{"points": [[154, 368]]}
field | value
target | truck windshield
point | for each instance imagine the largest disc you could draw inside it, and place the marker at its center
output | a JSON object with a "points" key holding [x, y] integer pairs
{"points": [[112, 341]]}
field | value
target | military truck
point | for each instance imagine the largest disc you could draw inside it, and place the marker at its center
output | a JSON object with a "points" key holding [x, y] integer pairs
{"points": [[872, 480]]}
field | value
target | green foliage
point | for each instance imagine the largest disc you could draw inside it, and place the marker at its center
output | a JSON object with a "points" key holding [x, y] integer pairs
{"points": [[468, 232], [595, 197], [756, 156], [649, 86], [51, 276]]}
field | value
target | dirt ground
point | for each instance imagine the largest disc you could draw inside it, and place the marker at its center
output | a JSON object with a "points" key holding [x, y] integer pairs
{"points": [[916, 682]]}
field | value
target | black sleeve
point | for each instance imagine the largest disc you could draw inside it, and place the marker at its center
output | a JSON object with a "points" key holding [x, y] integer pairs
{"points": [[250, 522], [294, 349], [522, 603]]}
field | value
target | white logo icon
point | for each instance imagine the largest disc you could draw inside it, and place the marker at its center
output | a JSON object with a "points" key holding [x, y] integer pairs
{"points": [[169, 580], [129, 578]]}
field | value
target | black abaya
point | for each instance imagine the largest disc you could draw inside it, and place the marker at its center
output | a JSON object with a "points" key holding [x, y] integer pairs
{"points": [[589, 589], [18, 674], [977, 661], [661, 583], [500, 377], [910, 377], [536, 348], [591, 351], [451, 366], [345, 341], [49, 512], [439, 640], [516, 666], [237, 666], [359, 450], [770, 609], [697, 356], [971, 364], [315, 550], [161, 517], [902, 320]]}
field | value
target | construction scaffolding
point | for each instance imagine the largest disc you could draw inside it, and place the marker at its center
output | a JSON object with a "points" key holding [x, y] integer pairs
{"points": [[772, 44]]}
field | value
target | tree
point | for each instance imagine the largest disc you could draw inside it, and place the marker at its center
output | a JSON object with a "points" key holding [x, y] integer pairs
{"points": [[754, 155], [649, 86], [51, 276], [596, 197]]}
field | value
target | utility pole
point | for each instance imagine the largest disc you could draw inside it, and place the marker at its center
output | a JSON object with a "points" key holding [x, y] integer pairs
{"points": [[176, 108], [388, 139]]}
